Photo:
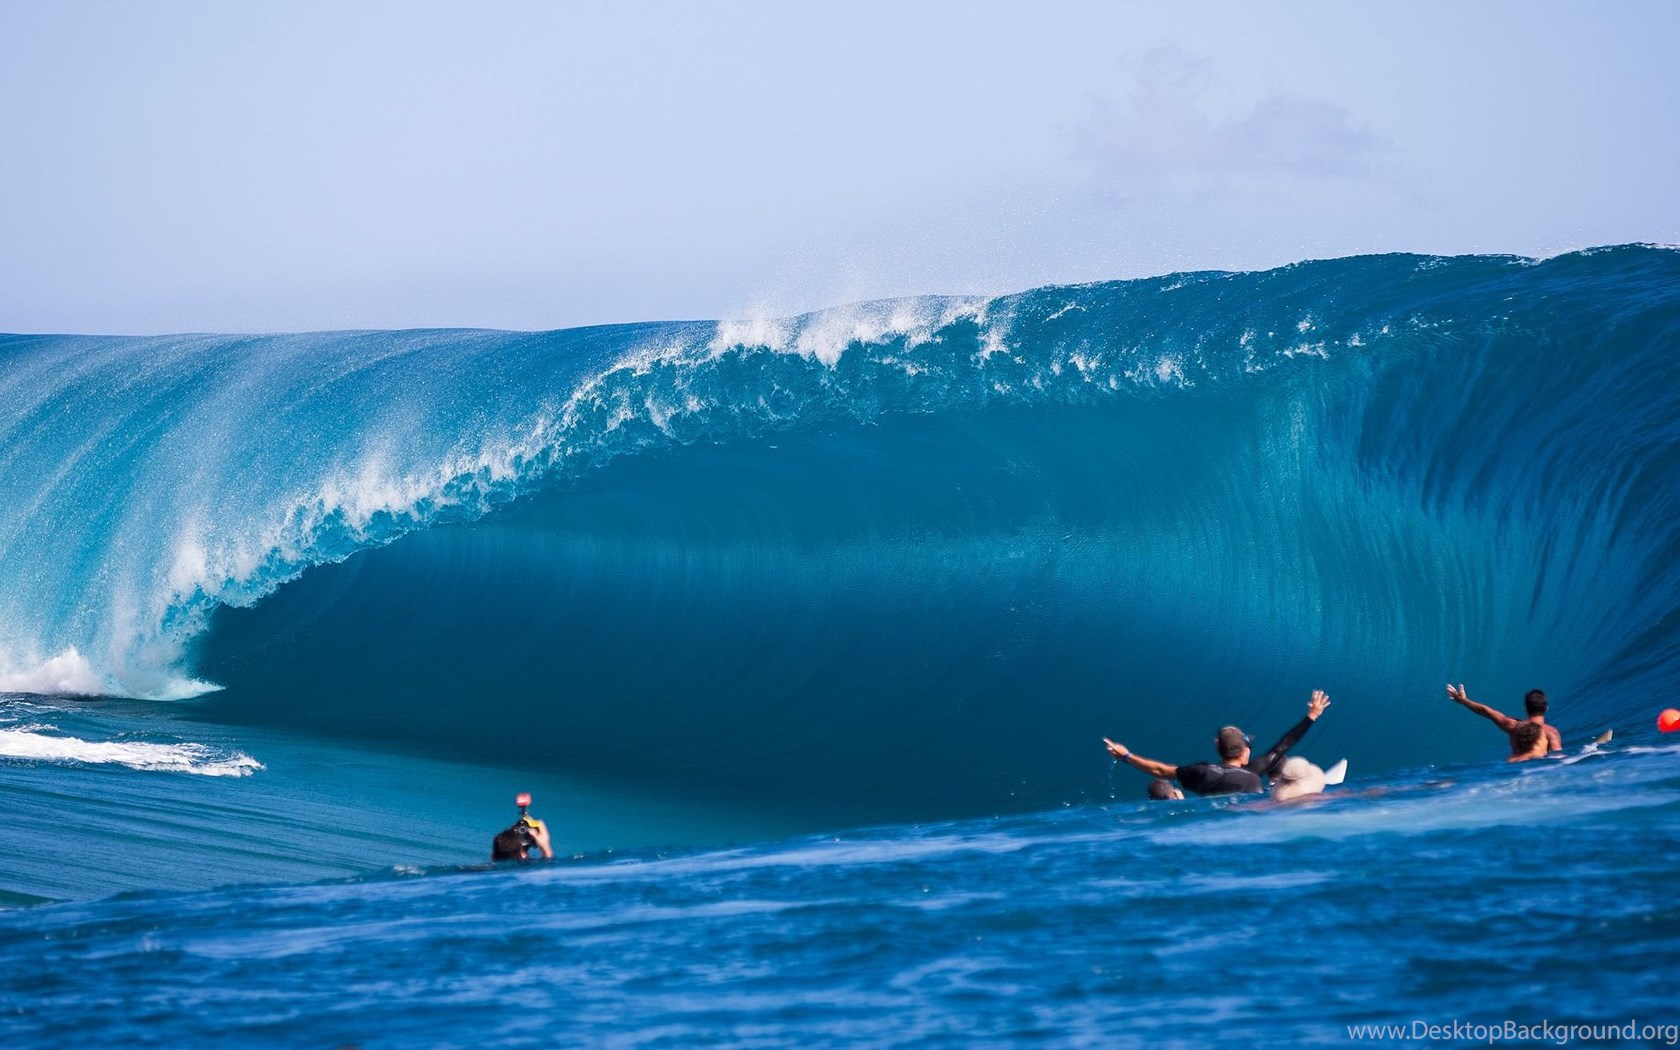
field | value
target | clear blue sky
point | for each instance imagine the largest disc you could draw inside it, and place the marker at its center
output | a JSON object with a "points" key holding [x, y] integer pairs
{"points": [[180, 166]]}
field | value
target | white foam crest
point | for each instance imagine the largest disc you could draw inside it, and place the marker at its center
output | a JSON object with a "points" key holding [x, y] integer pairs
{"points": [[197, 759], [372, 502], [824, 336], [995, 338], [1084, 362], [1166, 369], [67, 674], [771, 333], [1319, 350], [660, 413], [191, 563], [70, 673]]}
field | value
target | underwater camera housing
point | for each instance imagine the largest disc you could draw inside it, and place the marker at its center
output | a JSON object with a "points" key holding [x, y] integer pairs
{"points": [[526, 822]]}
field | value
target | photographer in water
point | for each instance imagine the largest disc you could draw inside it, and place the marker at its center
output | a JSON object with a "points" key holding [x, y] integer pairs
{"points": [[526, 834]]}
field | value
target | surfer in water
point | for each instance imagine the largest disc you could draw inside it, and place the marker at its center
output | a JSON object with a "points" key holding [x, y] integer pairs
{"points": [[527, 834], [1534, 703], [517, 842], [1164, 791], [1237, 771]]}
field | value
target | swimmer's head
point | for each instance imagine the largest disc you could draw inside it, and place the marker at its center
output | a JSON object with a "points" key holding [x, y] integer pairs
{"points": [[512, 844], [1535, 702], [1232, 743], [1295, 778], [1162, 790]]}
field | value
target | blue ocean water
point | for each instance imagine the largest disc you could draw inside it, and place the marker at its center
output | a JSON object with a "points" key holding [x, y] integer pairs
{"points": [[1477, 896], [285, 621]]}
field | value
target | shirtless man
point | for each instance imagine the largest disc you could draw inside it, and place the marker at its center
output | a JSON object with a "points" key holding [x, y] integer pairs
{"points": [[1534, 703]]}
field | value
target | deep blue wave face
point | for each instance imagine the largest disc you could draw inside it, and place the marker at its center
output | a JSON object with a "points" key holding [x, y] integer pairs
{"points": [[900, 560]]}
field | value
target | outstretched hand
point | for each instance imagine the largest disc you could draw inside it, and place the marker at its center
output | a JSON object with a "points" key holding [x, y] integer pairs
{"points": [[1457, 693], [1315, 707], [1117, 750]]}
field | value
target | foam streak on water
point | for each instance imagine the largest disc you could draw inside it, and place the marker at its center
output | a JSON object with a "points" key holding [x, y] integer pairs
{"points": [[40, 746]]}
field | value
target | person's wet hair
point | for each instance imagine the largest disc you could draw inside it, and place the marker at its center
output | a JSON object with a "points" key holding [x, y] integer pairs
{"points": [[1231, 742], [1535, 702], [509, 845], [1525, 737], [1161, 790]]}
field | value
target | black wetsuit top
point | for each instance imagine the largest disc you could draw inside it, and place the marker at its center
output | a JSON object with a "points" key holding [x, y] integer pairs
{"points": [[1267, 764], [1210, 778]]}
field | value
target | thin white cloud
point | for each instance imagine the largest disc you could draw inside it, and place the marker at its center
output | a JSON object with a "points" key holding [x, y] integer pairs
{"points": [[1163, 131]]}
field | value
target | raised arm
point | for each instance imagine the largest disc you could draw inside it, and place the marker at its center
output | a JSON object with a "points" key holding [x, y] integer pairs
{"points": [[1268, 762], [1148, 765], [539, 837], [1498, 718]]}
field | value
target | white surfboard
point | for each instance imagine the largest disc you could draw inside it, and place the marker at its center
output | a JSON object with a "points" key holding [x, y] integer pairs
{"points": [[1335, 774], [1591, 749]]}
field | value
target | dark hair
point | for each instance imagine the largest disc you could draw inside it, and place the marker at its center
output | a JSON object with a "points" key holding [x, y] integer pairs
{"points": [[510, 844], [1535, 701], [1231, 742], [1160, 789], [1525, 736]]}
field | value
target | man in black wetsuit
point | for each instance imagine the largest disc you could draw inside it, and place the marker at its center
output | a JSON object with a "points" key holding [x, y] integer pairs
{"points": [[1235, 772]]}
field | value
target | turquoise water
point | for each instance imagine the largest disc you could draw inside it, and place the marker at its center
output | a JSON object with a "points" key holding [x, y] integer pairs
{"points": [[104, 797], [804, 633]]}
